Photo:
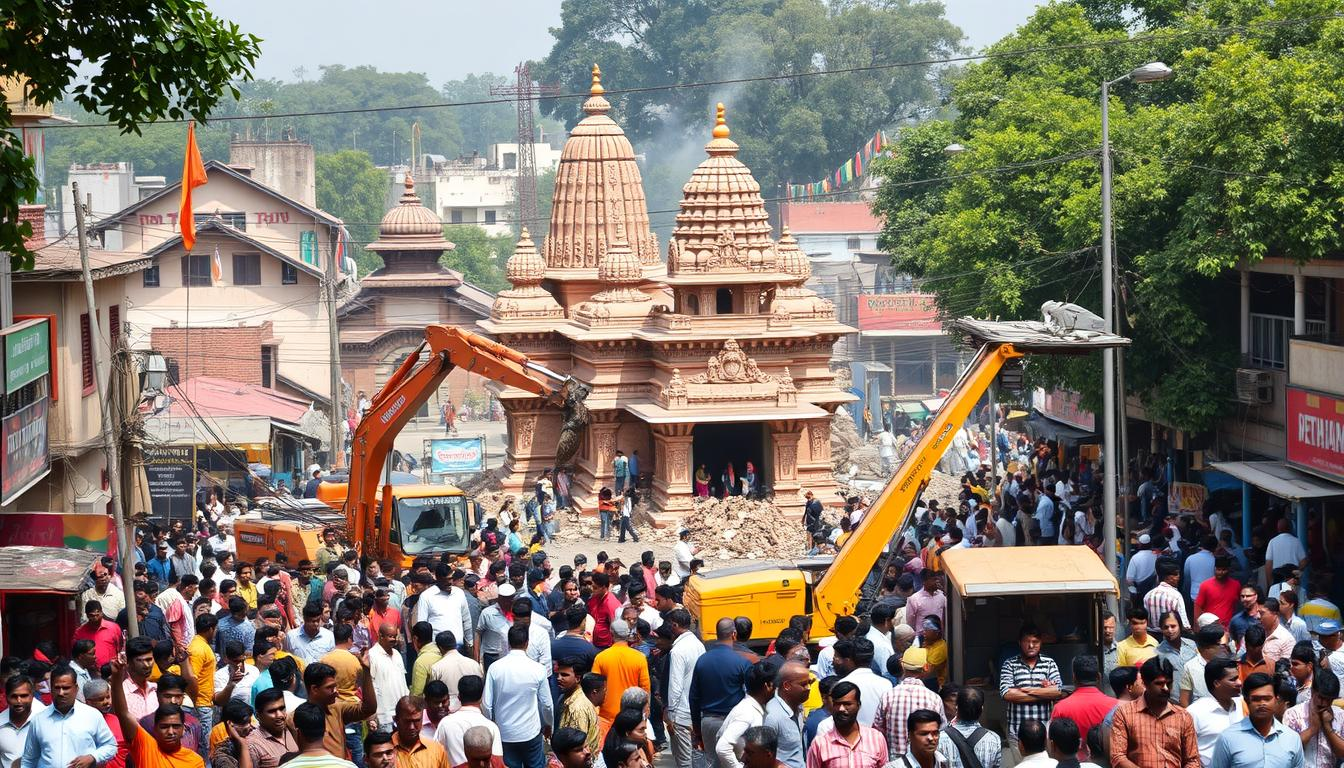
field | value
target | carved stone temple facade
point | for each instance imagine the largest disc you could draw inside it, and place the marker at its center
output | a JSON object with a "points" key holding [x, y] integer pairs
{"points": [[718, 355]]}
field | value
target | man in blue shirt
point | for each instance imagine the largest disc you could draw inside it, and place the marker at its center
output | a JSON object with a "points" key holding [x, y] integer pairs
{"points": [[160, 567], [718, 683], [69, 733], [1259, 741], [1045, 514]]}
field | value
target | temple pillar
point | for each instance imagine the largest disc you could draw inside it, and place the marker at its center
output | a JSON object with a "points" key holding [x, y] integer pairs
{"points": [[815, 473], [673, 493], [528, 449], [594, 460], [785, 437]]}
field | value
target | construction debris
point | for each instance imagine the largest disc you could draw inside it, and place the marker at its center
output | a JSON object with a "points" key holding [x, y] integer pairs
{"points": [[481, 482], [736, 527]]}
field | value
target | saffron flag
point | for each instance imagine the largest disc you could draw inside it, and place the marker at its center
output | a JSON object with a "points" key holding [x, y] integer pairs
{"points": [[193, 175], [216, 268], [858, 163]]}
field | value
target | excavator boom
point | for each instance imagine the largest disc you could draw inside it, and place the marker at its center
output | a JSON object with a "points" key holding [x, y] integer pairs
{"points": [[411, 386]]}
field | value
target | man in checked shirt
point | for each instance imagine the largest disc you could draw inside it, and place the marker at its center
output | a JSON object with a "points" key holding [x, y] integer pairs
{"points": [[1029, 683]]}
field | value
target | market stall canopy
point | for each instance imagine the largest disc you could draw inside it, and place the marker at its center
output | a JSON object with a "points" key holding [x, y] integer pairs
{"points": [[44, 569], [984, 571], [1278, 479]]}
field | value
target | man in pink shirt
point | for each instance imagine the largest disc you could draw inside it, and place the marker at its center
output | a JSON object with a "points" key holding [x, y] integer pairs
{"points": [[106, 636], [1278, 640], [929, 601]]}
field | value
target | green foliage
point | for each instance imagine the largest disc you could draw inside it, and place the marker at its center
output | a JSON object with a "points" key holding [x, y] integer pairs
{"points": [[1233, 158], [352, 189], [478, 256], [149, 60], [797, 129]]}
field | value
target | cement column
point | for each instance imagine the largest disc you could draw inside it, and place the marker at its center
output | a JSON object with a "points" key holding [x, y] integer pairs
{"points": [[672, 490], [602, 446], [1245, 324], [784, 438], [1299, 305]]}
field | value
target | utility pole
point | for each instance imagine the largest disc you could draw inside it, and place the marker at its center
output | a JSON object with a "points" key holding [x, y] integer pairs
{"points": [[125, 533], [333, 338]]}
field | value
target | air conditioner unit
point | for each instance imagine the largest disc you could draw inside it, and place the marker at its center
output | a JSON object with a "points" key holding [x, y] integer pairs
{"points": [[1254, 386]]}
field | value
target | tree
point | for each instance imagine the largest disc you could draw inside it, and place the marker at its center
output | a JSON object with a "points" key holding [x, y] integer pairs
{"points": [[478, 256], [153, 59], [482, 124], [352, 189], [795, 129], [1227, 161]]}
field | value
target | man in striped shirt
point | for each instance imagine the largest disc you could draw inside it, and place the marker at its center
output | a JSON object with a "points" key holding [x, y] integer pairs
{"points": [[850, 744], [1029, 683], [906, 697], [1165, 596]]}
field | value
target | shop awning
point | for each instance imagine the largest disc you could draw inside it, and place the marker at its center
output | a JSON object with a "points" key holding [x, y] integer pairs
{"points": [[44, 569], [1278, 479], [1027, 571], [1044, 426], [913, 409]]}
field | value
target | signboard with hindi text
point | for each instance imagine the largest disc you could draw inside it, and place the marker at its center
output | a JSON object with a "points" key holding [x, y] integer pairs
{"points": [[24, 454], [1315, 432], [913, 313], [27, 353], [170, 472], [456, 455]]}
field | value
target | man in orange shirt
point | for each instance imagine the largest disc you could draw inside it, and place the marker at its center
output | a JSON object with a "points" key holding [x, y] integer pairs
{"points": [[163, 749], [413, 750], [624, 667], [382, 611]]}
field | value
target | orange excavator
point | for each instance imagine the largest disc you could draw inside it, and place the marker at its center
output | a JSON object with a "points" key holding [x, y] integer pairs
{"points": [[402, 522]]}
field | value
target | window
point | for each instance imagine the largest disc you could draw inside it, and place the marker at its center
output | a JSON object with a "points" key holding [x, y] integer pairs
{"points": [[267, 366], [85, 354], [510, 161], [723, 301], [236, 220], [489, 217], [247, 269], [196, 270], [114, 325], [150, 276], [692, 304], [289, 274], [456, 216], [853, 244]]}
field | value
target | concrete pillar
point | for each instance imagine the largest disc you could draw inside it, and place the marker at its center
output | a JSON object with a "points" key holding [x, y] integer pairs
{"points": [[1245, 318], [1245, 514], [1299, 304], [672, 472]]}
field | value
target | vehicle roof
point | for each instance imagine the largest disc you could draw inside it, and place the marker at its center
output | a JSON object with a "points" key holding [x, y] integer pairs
{"points": [[988, 571], [423, 489]]}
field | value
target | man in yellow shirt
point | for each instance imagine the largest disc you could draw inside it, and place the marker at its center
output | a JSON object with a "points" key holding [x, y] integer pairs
{"points": [[201, 669], [931, 640], [345, 662], [1139, 646], [247, 588]]}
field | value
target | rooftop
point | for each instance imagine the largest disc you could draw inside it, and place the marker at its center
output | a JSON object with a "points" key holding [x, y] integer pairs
{"points": [[215, 397], [829, 218]]}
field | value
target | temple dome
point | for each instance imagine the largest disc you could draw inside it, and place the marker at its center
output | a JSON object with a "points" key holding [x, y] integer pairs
{"points": [[619, 265], [410, 226], [597, 187], [722, 226], [525, 267], [526, 301], [792, 260]]}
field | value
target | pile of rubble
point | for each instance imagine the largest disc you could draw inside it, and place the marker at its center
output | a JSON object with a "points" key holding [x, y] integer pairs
{"points": [[491, 501], [736, 527], [943, 487], [481, 482], [850, 455]]}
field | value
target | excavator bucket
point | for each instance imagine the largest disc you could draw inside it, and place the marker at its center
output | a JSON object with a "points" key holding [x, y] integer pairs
{"points": [[573, 393]]}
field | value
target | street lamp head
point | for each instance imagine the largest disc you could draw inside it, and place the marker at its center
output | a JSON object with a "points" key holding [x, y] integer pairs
{"points": [[953, 149], [1150, 73]]}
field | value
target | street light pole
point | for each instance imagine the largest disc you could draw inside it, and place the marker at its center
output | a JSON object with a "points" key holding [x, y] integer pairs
{"points": [[1148, 73]]}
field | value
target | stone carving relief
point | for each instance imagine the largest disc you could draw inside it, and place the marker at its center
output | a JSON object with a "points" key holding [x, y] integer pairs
{"points": [[731, 366], [527, 427], [788, 393], [821, 439], [606, 447], [674, 394]]}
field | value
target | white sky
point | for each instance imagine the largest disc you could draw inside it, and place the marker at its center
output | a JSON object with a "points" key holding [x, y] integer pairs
{"points": [[447, 39]]}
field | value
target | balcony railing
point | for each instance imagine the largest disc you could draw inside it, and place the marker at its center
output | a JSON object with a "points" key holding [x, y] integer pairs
{"points": [[1269, 339]]}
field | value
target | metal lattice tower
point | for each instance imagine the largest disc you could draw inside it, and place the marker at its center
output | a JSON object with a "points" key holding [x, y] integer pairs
{"points": [[524, 93]]}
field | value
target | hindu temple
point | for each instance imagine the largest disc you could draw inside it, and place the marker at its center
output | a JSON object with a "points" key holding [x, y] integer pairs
{"points": [[716, 355]]}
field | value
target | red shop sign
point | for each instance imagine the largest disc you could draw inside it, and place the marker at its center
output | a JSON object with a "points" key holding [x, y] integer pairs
{"points": [[1315, 428]]}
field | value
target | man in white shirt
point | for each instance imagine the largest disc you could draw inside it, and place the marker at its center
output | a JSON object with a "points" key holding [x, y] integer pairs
{"points": [[1283, 549], [445, 607], [854, 660], [105, 591], [879, 634], [16, 721], [747, 713], [469, 715], [388, 669], [518, 698], [684, 552], [1142, 564], [1218, 711], [686, 649], [886, 452]]}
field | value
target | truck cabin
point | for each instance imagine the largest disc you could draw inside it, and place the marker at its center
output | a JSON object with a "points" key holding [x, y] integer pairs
{"points": [[993, 592], [428, 520]]}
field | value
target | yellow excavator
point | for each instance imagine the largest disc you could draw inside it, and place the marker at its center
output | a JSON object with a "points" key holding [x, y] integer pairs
{"points": [[829, 587]]}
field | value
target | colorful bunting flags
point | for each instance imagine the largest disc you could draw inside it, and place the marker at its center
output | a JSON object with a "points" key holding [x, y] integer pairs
{"points": [[852, 169]]}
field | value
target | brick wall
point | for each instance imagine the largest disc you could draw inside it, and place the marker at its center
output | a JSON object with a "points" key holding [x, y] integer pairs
{"points": [[231, 353], [37, 216]]}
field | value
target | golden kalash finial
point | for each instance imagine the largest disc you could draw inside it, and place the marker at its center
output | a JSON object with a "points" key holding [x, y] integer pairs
{"points": [[596, 89], [720, 124]]}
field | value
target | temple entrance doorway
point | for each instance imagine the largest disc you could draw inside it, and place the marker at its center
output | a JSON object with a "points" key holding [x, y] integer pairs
{"points": [[715, 445]]}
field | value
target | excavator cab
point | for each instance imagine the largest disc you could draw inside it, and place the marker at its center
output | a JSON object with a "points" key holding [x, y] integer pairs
{"points": [[426, 520]]}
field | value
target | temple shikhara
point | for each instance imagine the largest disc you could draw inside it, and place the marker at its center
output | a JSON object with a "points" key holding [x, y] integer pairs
{"points": [[717, 355]]}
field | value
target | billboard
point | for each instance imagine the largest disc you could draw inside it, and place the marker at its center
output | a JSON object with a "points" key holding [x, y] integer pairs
{"points": [[170, 471], [1315, 432], [910, 312], [27, 354], [456, 455], [1065, 407], [96, 533], [25, 456]]}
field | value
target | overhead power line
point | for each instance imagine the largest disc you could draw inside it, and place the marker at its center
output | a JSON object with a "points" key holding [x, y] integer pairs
{"points": [[1153, 37]]}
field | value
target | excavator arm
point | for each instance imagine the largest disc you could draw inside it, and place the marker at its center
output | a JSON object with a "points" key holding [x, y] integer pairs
{"points": [[411, 386], [837, 593]]}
